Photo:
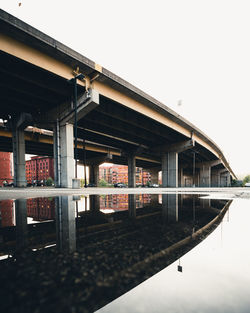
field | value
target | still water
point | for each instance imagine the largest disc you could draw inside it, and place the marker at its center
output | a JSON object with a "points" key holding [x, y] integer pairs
{"points": [[215, 275], [125, 253]]}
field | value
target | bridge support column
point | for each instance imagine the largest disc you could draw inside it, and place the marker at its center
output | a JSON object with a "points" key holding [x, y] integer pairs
{"points": [[131, 170], [94, 174], [64, 155], [170, 169], [215, 178], [181, 181], [19, 158], [65, 224], [205, 176], [225, 179], [18, 125], [154, 174], [228, 179]]}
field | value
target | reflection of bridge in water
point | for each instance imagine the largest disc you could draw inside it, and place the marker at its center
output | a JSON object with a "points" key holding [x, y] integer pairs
{"points": [[101, 255]]}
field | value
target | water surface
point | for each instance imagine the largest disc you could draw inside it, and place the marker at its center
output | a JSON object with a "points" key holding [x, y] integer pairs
{"points": [[77, 254]]}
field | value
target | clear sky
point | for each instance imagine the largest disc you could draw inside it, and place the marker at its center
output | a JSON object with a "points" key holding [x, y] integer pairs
{"points": [[192, 55]]}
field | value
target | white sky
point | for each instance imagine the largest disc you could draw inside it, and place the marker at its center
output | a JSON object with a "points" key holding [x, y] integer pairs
{"points": [[195, 51]]}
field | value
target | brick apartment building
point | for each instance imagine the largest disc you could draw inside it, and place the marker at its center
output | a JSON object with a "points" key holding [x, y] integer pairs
{"points": [[39, 169], [5, 168], [119, 174]]}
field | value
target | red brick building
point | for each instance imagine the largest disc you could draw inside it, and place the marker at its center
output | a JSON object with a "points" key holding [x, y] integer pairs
{"points": [[5, 168], [39, 169], [113, 174]]}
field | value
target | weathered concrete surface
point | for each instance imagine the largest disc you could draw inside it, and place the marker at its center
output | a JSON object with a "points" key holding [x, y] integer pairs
{"points": [[18, 193]]}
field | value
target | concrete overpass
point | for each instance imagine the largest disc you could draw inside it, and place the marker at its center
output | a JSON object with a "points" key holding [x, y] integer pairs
{"points": [[113, 119]]}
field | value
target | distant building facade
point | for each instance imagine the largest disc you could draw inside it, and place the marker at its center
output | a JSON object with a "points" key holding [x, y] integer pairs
{"points": [[119, 174], [39, 169], [5, 168]]}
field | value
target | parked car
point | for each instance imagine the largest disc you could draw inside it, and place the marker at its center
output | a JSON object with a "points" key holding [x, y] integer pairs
{"points": [[6, 184], [120, 185], [247, 185], [40, 183]]}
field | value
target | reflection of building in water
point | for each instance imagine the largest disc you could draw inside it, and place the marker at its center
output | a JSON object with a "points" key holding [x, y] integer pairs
{"points": [[5, 168], [119, 174], [41, 208], [39, 169], [120, 201], [7, 215]]}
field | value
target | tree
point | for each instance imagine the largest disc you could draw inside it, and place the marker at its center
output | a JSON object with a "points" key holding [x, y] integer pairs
{"points": [[49, 182], [246, 179], [82, 182], [103, 183]]}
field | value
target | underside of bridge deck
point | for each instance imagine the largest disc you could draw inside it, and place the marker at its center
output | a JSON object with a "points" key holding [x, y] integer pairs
{"points": [[32, 93]]}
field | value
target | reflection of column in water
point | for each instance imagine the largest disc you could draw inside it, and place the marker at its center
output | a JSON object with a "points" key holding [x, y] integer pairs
{"points": [[86, 204], [94, 203], [65, 224], [76, 199], [154, 199], [194, 216], [21, 223], [170, 207], [206, 203], [132, 206]]}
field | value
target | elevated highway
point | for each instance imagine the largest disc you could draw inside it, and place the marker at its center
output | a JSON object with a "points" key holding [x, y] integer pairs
{"points": [[104, 116]]}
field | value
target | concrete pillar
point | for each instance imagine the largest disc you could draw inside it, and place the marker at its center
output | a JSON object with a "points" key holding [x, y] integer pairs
{"points": [[164, 166], [215, 178], [154, 174], [18, 143], [131, 170], [67, 155], [170, 207], [64, 155], [225, 179], [173, 169], [205, 176], [181, 180], [21, 223], [66, 224], [94, 174], [56, 155], [170, 169], [228, 179]]}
